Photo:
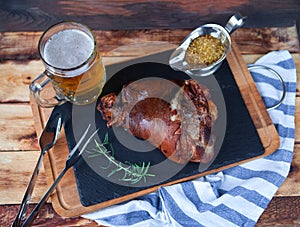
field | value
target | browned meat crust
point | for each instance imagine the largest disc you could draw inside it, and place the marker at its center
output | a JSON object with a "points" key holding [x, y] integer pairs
{"points": [[177, 117]]}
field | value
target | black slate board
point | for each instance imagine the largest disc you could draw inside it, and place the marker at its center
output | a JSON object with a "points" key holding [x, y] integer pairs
{"points": [[241, 141]]}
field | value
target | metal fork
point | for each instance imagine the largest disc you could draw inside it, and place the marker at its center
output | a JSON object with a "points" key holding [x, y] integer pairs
{"points": [[72, 158], [47, 140]]}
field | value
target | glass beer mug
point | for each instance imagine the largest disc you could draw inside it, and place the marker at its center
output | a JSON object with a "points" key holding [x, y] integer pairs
{"points": [[72, 64]]}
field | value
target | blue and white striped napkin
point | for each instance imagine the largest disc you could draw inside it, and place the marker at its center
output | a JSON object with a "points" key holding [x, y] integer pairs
{"points": [[233, 197]]}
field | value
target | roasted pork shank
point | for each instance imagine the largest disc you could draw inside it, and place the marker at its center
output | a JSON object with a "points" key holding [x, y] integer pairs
{"points": [[175, 116]]}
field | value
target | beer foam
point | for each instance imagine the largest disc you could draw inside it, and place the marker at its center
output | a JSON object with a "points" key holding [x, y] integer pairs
{"points": [[68, 49]]}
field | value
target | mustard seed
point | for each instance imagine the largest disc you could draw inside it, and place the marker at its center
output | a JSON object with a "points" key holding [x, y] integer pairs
{"points": [[204, 50]]}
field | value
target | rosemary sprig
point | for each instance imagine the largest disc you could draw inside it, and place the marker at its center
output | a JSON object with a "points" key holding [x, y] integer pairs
{"points": [[133, 173]]}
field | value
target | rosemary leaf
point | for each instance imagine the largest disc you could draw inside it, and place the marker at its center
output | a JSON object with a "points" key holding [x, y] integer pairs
{"points": [[112, 149], [105, 141], [132, 173]]}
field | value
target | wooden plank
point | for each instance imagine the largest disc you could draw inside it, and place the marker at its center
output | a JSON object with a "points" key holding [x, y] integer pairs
{"points": [[282, 211], [126, 14], [297, 121], [23, 45], [296, 58], [263, 40], [16, 76], [66, 201], [15, 172], [21, 115], [13, 187], [17, 128], [291, 186], [22, 42], [46, 218]]}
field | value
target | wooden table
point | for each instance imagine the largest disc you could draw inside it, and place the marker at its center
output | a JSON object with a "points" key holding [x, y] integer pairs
{"points": [[119, 23]]}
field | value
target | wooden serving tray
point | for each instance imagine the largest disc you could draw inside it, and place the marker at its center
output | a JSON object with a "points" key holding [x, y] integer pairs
{"points": [[66, 200]]}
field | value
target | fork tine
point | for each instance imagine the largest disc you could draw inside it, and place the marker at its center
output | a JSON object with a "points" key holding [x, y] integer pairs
{"points": [[88, 141], [71, 160], [79, 142]]}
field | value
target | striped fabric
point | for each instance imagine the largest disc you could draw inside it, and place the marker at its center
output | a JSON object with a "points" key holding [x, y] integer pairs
{"points": [[234, 197]]}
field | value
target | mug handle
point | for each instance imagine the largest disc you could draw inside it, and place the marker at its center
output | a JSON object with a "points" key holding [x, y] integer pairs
{"points": [[36, 88], [252, 67]]}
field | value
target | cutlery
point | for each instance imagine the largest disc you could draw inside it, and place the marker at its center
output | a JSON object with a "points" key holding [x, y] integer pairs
{"points": [[72, 158], [47, 140]]}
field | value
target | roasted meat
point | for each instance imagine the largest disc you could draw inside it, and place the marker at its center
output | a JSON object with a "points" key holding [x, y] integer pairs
{"points": [[175, 116]]}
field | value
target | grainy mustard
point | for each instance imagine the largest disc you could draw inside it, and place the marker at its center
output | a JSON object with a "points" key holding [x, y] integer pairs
{"points": [[204, 49]]}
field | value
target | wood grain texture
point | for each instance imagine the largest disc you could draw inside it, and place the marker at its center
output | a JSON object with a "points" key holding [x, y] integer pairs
{"points": [[23, 45], [13, 188], [15, 172], [282, 211], [14, 79], [66, 200], [263, 40], [291, 186], [297, 120], [36, 15], [17, 114], [9, 161], [17, 128], [47, 217], [21, 48], [296, 58], [16, 76]]}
